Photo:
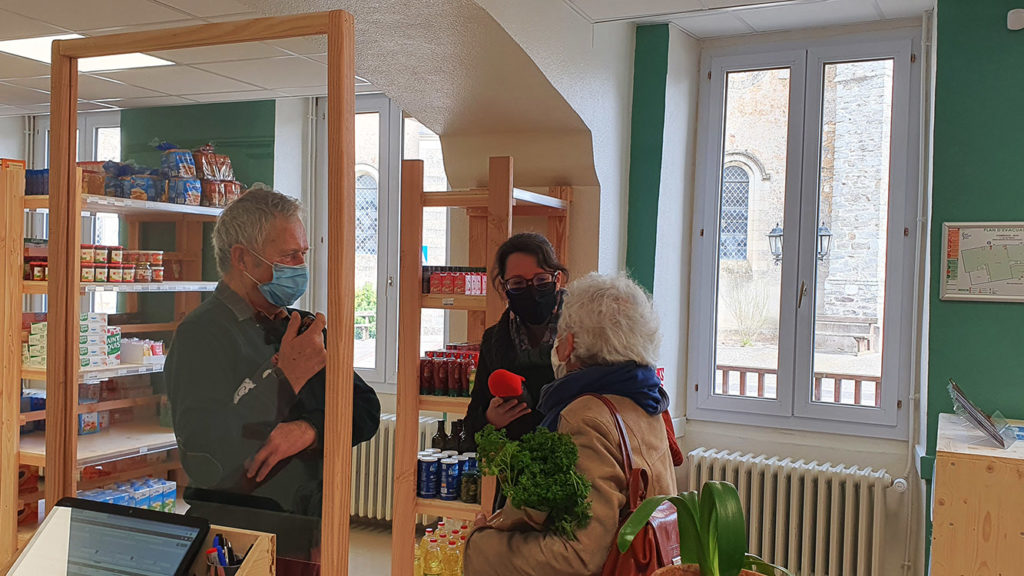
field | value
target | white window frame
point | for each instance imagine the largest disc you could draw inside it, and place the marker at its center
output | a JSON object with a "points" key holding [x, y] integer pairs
{"points": [[88, 123], [793, 409]]}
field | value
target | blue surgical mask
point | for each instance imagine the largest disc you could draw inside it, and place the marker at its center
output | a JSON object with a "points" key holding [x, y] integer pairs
{"points": [[287, 286]]}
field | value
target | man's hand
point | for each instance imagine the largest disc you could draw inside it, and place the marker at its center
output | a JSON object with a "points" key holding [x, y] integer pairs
{"points": [[287, 439], [302, 355], [502, 412]]}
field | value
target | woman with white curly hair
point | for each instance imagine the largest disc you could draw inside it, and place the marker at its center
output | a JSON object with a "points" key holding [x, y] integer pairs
{"points": [[607, 344]]}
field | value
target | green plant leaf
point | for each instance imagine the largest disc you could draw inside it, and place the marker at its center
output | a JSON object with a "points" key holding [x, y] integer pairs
{"points": [[756, 564], [691, 550], [722, 518], [637, 520]]}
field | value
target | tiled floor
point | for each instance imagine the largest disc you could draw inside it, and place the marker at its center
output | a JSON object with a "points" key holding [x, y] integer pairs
{"points": [[369, 551]]}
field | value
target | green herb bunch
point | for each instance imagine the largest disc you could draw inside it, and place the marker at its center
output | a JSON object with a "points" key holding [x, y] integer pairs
{"points": [[539, 472]]}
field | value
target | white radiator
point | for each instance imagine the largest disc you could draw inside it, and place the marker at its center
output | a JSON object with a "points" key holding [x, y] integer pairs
{"points": [[814, 519], [373, 469]]}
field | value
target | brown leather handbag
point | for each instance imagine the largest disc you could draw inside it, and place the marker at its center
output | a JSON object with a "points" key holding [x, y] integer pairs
{"points": [[657, 543]]}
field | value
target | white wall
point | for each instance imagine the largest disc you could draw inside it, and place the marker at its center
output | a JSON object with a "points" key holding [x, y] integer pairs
{"points": [[12, 137], [291, 148], [592, 67]]}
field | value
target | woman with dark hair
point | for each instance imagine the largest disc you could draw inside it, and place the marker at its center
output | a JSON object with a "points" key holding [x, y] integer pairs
{"points": [[527, 272]]}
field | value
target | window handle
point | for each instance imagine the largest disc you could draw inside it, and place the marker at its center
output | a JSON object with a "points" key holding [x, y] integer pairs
{"points": [[803, 292]]}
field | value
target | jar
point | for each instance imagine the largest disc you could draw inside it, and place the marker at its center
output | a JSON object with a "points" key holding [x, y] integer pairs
{"points": [[469, 491], [143, 273], [127, 273], [100, 273], [116, 254], [115, 273], [158, 273], [46, 270], [88, 253], [156, 257], [88, 272], [38, 271], [129, 256], [100, 254]]}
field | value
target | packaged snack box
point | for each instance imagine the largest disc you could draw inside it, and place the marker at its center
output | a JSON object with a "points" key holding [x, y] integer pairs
{"points": [[186, 191], [177, 163], [88, 424], [146, 187]]}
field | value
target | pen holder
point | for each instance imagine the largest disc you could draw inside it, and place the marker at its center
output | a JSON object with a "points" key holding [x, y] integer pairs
{"points": [[260, 558], [224, 570]]}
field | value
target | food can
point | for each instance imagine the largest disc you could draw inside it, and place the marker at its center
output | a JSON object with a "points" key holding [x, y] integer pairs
{"points": [[450, 453], [432, 450], [100, 273], [470, 464], [428, 477], [450, 479]]}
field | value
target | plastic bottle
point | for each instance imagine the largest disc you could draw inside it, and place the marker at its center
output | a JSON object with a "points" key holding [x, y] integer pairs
{"points": [[452, 560], [462, 551], [442, 533], [432, 559], [425, 543], [417, 565]]}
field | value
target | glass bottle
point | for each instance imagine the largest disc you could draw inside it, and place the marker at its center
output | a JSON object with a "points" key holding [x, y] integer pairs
{"points": [[456, 437], [432, 559], [440, 439], [451, 560], [464, 443]]}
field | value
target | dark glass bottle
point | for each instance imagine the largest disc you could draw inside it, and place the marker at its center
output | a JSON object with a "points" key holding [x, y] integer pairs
{"points": [[457, 436], [464, 443], [440, 439]]}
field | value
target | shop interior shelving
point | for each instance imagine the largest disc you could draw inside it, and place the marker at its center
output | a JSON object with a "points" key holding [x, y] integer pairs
{"points": [[490, 212]]}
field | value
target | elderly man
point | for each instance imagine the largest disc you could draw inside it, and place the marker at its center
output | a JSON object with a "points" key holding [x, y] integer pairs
{"points": [[246, 374]]}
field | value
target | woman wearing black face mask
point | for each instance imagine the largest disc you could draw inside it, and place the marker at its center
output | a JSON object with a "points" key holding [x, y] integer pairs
{"points": [[528, 273]]}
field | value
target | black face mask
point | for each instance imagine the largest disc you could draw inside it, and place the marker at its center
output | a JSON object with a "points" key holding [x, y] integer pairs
{"points": [[531, 306]]}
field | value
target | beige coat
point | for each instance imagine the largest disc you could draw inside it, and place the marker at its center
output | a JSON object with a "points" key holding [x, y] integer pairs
{"points": [[588, 421]]}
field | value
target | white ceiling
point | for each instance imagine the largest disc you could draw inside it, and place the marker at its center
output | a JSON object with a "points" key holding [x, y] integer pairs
{"points": [[713, 18]]}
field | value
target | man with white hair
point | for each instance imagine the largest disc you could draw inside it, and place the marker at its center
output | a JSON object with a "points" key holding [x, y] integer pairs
{"points": [[246, 373]]}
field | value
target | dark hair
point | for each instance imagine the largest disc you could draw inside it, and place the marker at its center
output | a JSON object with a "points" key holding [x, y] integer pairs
{"points": [[526, 243]]}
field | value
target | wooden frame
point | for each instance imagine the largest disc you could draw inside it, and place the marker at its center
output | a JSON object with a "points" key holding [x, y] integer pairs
{"points": [[65, 224], [490, 224]]}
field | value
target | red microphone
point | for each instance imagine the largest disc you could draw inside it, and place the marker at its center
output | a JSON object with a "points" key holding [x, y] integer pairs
{"points": [[505, 384]]}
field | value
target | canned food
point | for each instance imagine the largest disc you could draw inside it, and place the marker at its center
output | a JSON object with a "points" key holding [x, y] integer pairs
{"points": [[450, 453], [88, 253], [470, 465], [432, 450], [38, 271], [100, 254], [450, 479], [128, 273], [100, 273], [115, 273], [428, 477], [88, 272], [156, 257], [116, 254]]}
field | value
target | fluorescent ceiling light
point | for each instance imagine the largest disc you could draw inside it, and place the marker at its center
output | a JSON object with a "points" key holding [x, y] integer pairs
{"points": [[39, 49]]}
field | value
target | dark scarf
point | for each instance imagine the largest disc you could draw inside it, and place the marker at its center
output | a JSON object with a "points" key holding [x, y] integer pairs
{"points": [[638, 383]]}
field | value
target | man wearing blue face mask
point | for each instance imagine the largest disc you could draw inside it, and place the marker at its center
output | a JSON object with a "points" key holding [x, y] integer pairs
{"points": [[246, 373]]}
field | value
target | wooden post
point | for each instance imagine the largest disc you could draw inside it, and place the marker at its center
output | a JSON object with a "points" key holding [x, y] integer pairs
{"points": [[478, 256], [499, 222], [341, 221], [63, 286], [188, 243], [12, 189], [403, 527]]}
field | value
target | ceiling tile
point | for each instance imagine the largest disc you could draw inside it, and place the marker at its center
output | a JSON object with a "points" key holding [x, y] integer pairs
{"points": [[302, 46], [905, 8], [305, 91], [18, 67], [18, 96], [147, 102], [225, 53], [177, 80], [205, 8], [90, 87], [273, 73], [183, 21], [713, 4], [86, 106], [13, 26], [94, 14], [711, 25], [321, 58], [12, 111], [797, 16], [608, 9], [235, 96], [232, 17]]}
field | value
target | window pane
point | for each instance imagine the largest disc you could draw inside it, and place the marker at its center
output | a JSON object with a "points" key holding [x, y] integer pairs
{"points": [[853, 205], [108, 144], [367, 205], [422, 144], [752, 200]]}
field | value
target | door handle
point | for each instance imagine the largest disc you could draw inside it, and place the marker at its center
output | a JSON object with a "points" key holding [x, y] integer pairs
{"points": [[803, 292]]}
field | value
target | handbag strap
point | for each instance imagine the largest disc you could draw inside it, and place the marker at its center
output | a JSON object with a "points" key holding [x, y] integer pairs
{"points": [[620, 427]]}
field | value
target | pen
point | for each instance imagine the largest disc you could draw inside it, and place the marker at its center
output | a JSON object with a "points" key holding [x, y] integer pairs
{"points": [[211, 557], [220, 556], [232, 559]]}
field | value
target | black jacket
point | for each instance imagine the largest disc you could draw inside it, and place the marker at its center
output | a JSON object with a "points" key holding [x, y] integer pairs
{"points": [[497, 351]]}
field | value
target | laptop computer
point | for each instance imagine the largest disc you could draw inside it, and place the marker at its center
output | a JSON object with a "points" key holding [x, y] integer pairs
{"points": [[86, 538]]}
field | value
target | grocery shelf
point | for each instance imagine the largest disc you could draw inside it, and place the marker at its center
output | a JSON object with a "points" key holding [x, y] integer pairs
{"points": [[137, 328], [452, 405], [35, 415], [117, 442], [454, 302], [126, 206], [158, 469], [100, 373], [446, 509], [34, 287]]}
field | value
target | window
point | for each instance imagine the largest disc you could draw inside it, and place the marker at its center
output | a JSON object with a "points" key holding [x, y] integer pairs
{"points": [[813, 270]]}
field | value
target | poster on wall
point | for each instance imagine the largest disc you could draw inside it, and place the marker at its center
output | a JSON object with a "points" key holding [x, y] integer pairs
{"points": [[983, 261]]}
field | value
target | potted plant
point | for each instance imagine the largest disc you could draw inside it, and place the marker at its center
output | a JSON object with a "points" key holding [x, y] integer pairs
{"points": [[712, 534]]}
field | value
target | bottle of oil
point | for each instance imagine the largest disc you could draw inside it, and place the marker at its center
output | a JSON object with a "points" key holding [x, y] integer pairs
{"points": [[417, 566], [426, 542], [432, 559], [442, 533], [452, 560]]}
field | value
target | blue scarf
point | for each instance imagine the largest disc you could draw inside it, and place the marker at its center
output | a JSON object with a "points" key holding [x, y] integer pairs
{"points": [[638, 383]]}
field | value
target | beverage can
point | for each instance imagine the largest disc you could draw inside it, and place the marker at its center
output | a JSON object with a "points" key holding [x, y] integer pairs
{"points": [[450, 479], [427, 477]]}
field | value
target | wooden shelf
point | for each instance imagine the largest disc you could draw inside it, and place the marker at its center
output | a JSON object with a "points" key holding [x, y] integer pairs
{"points": [[34, 287], [158, 469], [138, 328], [117, 442], [445, 509], [521, 197], [126, 206], [96, 407], [477, 198], [454, 302], [453, 405], [101, 373]]}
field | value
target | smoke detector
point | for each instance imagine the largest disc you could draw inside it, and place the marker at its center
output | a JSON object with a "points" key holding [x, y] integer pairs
{"points": [[1015, 19]]}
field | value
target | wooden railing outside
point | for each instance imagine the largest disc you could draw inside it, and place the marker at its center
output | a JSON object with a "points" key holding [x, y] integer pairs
{"points": [[756, 377]]}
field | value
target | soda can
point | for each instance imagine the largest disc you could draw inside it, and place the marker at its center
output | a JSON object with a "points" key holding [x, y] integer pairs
{"points": [[450, 477], [471, 463], [428, 477]]}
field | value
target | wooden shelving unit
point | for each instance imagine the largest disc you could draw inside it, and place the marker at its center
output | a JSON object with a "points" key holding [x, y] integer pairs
{"points": [[490, 212]]}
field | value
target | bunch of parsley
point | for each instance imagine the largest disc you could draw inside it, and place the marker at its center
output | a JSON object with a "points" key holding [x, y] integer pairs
{"points": [[538, 472]]}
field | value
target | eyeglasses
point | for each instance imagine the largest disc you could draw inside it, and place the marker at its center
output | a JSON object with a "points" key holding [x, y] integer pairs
{"points": [[543, 282]]}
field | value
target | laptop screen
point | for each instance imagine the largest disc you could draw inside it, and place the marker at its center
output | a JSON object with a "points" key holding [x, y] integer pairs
{"points": [[74, 542]]}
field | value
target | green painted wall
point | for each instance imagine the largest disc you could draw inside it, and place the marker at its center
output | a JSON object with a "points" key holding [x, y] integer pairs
{"points": [[647, 134], [979, 147]]}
